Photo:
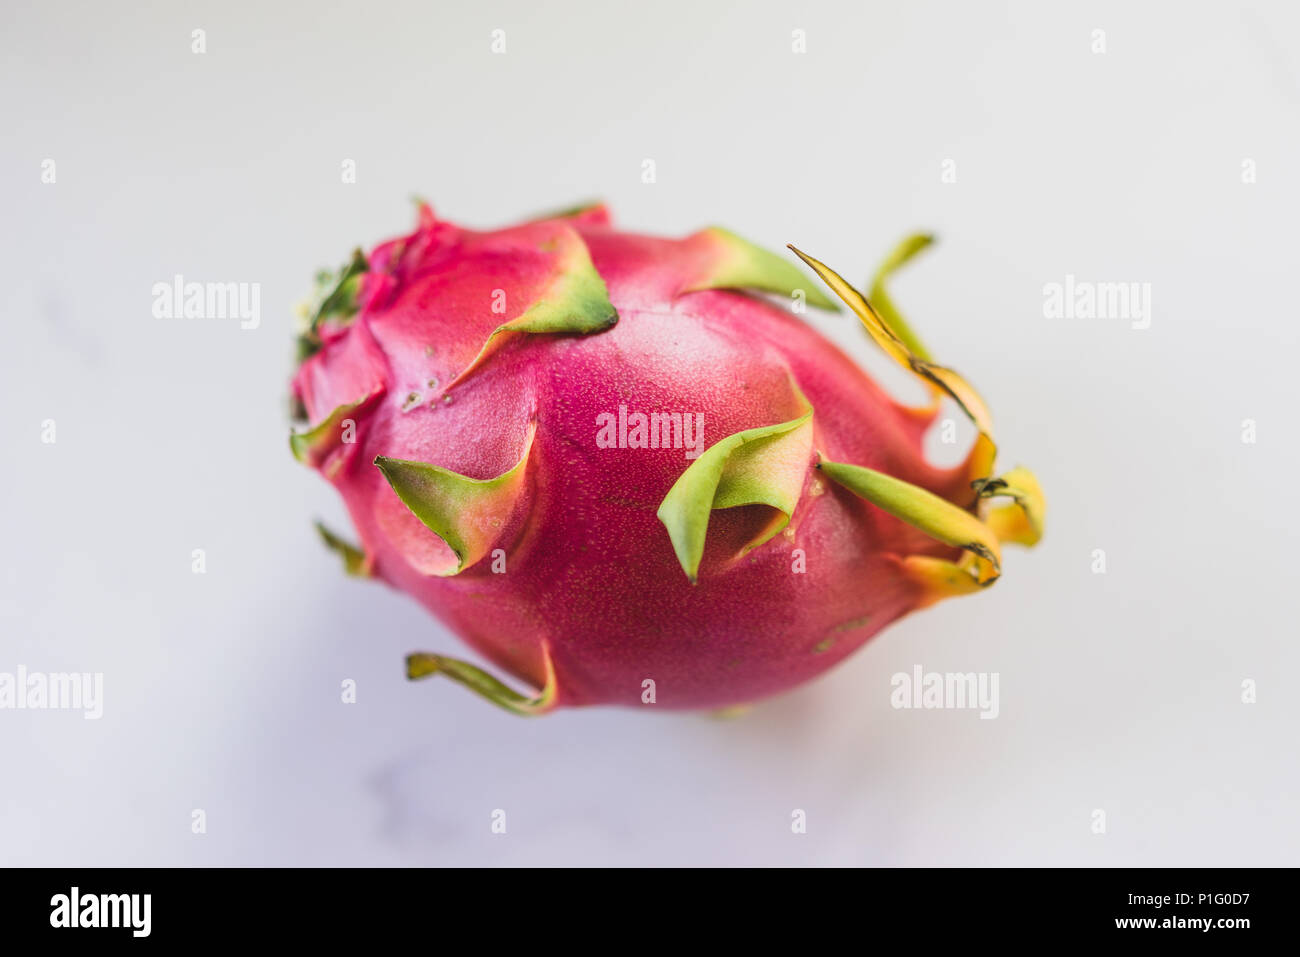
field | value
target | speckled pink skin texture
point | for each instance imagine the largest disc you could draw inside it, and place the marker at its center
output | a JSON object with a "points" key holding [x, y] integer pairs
{"points": [[589, 567]]}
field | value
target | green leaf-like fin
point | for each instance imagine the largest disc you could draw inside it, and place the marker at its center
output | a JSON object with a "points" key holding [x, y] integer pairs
{"points": [[335, 297], [593, 211], [735, 263], [762, 466], [355, 561], [314, 446], [422, 665], [575, 302], [468, 514], [937, 517]]}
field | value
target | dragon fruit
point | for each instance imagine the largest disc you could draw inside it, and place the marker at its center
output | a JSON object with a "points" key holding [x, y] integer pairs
{"points": [[624, 471]]}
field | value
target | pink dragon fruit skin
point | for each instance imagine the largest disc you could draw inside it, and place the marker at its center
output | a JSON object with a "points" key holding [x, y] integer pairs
{"points": [[475, 398]]}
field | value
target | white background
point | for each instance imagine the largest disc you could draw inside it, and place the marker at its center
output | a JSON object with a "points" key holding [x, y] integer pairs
{"points": [[1119, 691]]}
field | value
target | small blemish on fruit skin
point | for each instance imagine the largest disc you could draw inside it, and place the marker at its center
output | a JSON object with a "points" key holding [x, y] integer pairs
{"points": [[823, 646], [411, 401], [850, 625]]}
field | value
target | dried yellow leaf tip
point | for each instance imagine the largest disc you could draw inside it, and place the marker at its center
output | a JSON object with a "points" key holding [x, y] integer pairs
{"points": [[1019, 522]]}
